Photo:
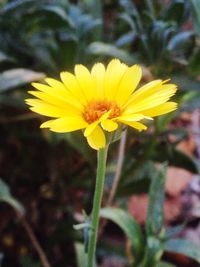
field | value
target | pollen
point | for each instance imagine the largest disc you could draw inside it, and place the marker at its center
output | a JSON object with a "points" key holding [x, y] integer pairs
{"points": [[95, 109]]}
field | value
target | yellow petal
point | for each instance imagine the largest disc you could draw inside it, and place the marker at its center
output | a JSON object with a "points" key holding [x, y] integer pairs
{"points": [[66, 124], [161, 109], [93, 125], [98, 73], [55, 84], [97, 139], [63, 95], [90, 128], [72, 85], [146, 90], [142, 103], [136, 125], [113, 75], [128, 83], [45, 109], [47, 124], [109, 125], [133, 117], [85, 81], [54, 101]]}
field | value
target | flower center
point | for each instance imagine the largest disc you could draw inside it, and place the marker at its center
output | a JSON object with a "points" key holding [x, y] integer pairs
{"points": [[95, 109]]}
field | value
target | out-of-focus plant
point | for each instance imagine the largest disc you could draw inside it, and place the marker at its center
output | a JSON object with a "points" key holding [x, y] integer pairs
{"points": [[146, 249], [50, 35], [161, 36], [195, 5], [193, 67], [7, 197], [157, 32]]}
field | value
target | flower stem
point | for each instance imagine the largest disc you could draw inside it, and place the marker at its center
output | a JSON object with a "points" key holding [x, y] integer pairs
{"points": [[101, 167]]}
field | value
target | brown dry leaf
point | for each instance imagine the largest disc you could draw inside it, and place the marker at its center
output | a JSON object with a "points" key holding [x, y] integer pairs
{"points": [[146, 74], [177, 180], [188, 145], [178, 258], [138, 206], [172, 209], [185, 116]]}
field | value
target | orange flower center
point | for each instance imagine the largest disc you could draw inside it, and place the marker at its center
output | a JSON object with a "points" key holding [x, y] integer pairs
{"points": [[95, 109]]}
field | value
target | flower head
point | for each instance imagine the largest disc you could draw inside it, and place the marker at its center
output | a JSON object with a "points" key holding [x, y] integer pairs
{"points": [[99, 100]]}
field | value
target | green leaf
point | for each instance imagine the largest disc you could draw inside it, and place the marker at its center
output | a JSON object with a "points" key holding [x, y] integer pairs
{"points": [[95, 7], [102, 49], [155, 215], [6, 196], [185, 83], [165, 264], [83, 22], [59, 12], [4, 57], [185, 247], [130, 227], [175, 11], [181, 42], [17, 6], [195, 4], [136, 177], [173, 231], [80, 255], [126, 39], [193, 104], [153, 252], [193, 67], [187, 100], [17, 77], [128, 20]]}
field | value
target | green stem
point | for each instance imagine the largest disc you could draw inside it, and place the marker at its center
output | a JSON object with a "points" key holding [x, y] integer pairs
{"points": [[101, 167]]}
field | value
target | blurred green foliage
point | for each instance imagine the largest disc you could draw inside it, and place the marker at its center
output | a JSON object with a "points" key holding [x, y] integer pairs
{"points": [[148, 249], [53, 175]]}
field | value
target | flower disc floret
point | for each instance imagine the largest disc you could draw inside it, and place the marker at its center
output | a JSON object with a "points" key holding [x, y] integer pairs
{"points": [[96, 109]]}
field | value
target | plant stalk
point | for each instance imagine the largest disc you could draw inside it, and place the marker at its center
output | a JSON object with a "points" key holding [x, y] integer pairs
{"points": [[100, 178], [34, 241], [118, 172]]}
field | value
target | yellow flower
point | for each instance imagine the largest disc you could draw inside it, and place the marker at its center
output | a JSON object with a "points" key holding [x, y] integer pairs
{"points": [[99, 100]]}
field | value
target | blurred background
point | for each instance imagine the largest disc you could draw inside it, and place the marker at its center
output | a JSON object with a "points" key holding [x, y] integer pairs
{"points": [[51, 177]]}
